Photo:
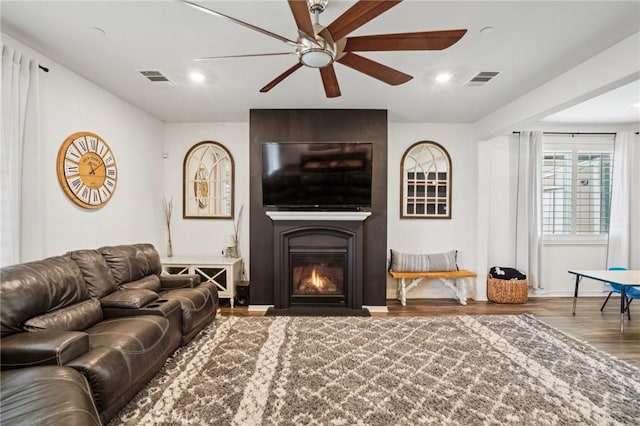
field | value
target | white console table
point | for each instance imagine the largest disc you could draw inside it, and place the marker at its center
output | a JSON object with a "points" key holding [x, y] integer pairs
{"points": [[224, 272]]}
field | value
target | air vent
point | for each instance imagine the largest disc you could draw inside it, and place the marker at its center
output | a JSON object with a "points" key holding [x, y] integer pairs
{"points": [[155, 76], [482, 78]]}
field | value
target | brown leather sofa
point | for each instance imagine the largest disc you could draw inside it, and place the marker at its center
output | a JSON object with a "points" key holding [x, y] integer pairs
{"points": [[48, 317], [138, 267], [107, 313]]}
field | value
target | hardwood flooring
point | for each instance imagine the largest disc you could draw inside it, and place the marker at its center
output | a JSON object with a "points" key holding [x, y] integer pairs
{"points": [[600, 329]]}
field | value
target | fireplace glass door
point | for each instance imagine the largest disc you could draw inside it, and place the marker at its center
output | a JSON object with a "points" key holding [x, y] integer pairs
{"points": [[318, 278]]}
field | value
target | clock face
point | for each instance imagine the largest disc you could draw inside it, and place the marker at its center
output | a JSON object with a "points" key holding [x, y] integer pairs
{"points": [[87, 170]]}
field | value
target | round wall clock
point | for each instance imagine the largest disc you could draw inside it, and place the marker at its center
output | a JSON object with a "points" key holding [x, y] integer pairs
{"points": [[87, 170]]}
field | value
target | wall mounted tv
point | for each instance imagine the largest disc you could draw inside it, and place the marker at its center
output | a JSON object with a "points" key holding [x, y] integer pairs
{"points": [[316, 175]]}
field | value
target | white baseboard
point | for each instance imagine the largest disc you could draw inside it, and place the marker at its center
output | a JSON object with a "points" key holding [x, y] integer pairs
{"points": [[566, 293]]}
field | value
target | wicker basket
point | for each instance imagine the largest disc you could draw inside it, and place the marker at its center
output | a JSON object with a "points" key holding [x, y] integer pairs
{"points": [[507, 291]]}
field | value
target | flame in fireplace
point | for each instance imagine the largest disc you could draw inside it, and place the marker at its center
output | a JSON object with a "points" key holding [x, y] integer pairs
{"points": [[316, 281]]}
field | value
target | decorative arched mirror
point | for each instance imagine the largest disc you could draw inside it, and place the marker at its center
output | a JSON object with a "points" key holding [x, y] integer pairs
{"points": [[208, 182], [426, 182]]}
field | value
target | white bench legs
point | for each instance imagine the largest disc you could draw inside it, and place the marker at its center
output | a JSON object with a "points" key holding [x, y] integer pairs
{"points": [[457, 286]]}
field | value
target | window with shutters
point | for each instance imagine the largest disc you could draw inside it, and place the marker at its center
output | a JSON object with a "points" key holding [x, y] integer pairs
{"points": [[576, 184]]}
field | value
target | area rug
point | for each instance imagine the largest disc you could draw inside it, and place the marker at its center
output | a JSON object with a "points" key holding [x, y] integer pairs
{"points": [[466, 370]]}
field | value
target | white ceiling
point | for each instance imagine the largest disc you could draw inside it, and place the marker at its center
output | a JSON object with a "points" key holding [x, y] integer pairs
{"points": [[621, 105], [532, 42]]}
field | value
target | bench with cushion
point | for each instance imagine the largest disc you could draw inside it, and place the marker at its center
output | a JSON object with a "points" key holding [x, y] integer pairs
{"points": [[426, 267]]}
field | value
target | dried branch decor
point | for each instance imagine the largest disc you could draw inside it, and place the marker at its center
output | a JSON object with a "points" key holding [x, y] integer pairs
{"points": [[236, 226], [167, 209]]}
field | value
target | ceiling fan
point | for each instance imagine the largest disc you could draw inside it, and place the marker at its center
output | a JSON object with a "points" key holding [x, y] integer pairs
{"points": [[319, 47]]}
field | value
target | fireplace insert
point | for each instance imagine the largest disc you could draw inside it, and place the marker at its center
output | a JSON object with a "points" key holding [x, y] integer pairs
{"points": [[318, 277]]}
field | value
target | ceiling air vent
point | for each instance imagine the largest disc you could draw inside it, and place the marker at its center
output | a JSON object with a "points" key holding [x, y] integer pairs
{"points": [[482, 78], [155, 76]]}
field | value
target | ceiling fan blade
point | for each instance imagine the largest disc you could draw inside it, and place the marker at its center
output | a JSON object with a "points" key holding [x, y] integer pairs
{"points": [[330, 81], [374, 69], [300, 10], [426, 40], [358, 15], [281, 77], [237, 21], [210, 58]]}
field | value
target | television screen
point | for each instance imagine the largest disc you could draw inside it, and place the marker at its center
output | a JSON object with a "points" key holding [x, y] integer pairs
{"points": [[316, 175]]}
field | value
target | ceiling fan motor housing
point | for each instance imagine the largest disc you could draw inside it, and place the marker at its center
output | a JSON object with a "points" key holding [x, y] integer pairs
{"points": [[319, 52], [317, 6]]}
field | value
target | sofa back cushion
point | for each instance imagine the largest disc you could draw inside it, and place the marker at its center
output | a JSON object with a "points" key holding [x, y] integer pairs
{"points": [[131, 262], [77, 317], [95, 271], [150, 282], [35, 288]]}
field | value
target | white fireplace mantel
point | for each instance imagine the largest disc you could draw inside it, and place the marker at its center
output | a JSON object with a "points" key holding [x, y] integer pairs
{"points": [[317, 215]]}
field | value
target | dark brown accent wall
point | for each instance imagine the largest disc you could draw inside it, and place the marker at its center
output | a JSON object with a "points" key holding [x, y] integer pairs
{"points": [[319, 126]]}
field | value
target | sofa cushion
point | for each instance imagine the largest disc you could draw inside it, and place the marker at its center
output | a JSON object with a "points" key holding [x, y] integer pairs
{"points": [[407, 262], [95, 271], [129, 298], [143, 340], [131, 262], [35, 288], [76, 317], [150, 282], [47, 395]]}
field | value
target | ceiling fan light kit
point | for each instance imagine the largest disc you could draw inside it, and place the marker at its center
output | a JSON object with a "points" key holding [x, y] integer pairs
{"points": [[320, 47], [319, 52]]}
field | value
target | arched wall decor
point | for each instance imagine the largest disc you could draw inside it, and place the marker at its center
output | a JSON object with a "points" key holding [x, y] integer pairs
{"points": [[426, 182], [208, 182]]}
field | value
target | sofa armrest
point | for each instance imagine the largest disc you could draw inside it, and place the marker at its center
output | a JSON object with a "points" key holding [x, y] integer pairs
{"points": [[128, 299], [52, 347], [169, 282]]}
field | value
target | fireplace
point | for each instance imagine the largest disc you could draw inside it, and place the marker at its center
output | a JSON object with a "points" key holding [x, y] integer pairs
{"points": [[318, 277], [318, 263]]}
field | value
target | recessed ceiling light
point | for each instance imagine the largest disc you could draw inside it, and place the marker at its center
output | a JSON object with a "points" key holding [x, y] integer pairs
{"points": [[486, 30], [443, 77], [196, 76]]}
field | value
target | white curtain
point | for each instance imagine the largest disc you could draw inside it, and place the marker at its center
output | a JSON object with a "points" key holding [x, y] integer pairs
{"points": [[19, 141], [529, 207], [622, 249]]}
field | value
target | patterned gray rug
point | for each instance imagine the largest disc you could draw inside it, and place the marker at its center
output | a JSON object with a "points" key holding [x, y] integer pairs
{"points": [[466, 370]]}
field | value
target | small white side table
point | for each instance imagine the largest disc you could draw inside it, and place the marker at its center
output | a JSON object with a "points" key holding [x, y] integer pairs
{"points": [[224, 272]]}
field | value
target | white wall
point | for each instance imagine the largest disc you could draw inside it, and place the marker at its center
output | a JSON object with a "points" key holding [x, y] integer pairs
{"points": [[70, 103], [434, 235], [205, 237], [498, 186]]}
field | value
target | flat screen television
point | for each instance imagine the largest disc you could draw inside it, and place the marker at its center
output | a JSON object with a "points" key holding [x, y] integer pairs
{"points": [[316, 175]]}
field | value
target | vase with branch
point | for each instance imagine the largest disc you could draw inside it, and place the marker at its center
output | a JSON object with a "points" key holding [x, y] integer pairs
{"points": [[235, 250], [167, 209]]}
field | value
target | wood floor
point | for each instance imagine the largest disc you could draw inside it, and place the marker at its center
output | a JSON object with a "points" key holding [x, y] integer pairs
{"points": [[601, 330]]}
